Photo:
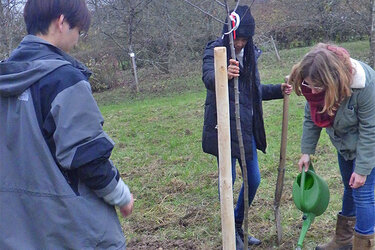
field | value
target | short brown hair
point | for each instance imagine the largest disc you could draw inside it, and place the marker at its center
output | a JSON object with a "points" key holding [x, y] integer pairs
{"points": [[38, 14], [330, 66]]}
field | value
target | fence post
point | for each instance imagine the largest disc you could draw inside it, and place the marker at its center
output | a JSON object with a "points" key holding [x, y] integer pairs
{"points": [[275, 48]]}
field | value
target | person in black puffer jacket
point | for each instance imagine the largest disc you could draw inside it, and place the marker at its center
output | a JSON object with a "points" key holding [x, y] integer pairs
{"points": [[252, 92]]}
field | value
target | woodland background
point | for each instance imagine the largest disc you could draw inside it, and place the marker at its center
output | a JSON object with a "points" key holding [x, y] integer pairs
{"points": [[168, 36]]}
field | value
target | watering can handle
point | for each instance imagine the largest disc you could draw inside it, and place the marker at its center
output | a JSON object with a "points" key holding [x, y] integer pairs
{"points": [[303, 177]]}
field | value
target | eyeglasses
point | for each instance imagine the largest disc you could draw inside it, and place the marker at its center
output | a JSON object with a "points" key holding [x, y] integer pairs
{"points": [[304, 83], [81, 33]]}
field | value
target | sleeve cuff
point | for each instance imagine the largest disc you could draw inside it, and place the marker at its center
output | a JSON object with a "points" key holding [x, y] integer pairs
{"points": [[308, 151], [362, 170], [120, 196]]}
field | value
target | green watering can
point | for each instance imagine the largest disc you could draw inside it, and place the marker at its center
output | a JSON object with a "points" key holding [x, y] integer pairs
{"points": [[311, 196]]}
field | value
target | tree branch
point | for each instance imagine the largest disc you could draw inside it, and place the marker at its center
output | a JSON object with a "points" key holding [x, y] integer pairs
{"points": [[220, 3], [205, 12], [114, 40]]}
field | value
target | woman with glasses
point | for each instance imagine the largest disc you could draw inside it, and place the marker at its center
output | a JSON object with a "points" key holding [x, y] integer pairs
{"points": [[340, 94]]}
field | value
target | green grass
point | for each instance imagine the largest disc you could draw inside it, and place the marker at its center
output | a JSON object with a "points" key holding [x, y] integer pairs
{"points": [[174, 183]]}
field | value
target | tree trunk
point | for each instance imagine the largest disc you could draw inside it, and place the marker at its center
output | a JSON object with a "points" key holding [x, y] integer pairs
{"points": [[3, 32], [131, 21]]}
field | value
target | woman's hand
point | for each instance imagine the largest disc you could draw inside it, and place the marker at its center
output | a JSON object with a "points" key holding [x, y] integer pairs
{"points": [[286, 88], [233, 69], [357, 180], [304, 161]]}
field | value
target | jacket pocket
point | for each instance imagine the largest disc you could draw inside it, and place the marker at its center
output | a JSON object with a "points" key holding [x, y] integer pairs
{"points": [[348, 120]]}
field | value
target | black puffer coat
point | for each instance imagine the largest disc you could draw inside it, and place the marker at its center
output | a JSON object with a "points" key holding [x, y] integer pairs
{"points": [[251, 96]]}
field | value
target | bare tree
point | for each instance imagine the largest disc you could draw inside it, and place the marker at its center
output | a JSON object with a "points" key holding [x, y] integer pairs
{"points": [[315, 20], [169, 36], [119, 22], [11, 25]]}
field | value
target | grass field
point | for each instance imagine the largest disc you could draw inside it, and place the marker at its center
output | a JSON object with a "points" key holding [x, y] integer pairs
{"points": [[158, 151]]}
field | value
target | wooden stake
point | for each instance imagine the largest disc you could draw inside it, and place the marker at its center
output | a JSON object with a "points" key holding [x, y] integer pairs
{"points": [[225, 163], [275, 48], [132, 56]]}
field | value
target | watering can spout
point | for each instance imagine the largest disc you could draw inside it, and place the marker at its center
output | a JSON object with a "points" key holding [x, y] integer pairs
{"points": [[307, 220]]}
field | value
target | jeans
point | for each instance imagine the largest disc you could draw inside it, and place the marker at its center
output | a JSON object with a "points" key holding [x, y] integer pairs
{"points": [[359, 202], [253, 177]]}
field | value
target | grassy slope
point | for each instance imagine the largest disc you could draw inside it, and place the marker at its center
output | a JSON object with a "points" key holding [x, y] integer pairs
{"points": [[159, 155]]}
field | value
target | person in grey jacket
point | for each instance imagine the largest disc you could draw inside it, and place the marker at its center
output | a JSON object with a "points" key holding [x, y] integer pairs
{"points": [[58, 187], [340, 94]]}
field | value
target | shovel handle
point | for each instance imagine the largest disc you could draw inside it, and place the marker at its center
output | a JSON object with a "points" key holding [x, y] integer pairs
{"points": [[281, 168], [284, 131]]}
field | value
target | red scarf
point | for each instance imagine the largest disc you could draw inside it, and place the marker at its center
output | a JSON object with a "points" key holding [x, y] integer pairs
{"points": [[316, 102]]}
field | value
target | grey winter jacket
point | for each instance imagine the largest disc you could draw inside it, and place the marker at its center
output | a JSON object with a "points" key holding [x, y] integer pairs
{"points": [[353, 130], [58, 187]]}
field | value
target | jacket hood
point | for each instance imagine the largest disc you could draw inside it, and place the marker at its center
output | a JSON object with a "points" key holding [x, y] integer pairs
{"points": [[32, 60], [359, 77]]}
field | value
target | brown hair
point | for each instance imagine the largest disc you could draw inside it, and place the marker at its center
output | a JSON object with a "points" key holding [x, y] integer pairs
{"points": [[38, 14], [327, 66]]}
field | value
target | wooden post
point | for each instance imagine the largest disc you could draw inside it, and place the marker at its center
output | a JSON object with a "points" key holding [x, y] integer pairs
{"points": [[132, 56], [225, 164], [275, 48]]}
